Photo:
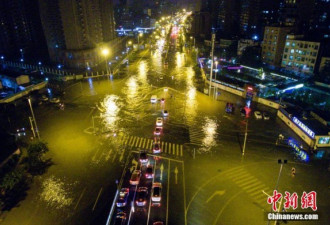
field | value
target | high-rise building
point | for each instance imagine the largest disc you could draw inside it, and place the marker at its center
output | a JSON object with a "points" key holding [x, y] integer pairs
{"points": [[320, 23], [76, 29], [299, 54], [229, 17], [273, 44], [21, 35], [297, 14]]}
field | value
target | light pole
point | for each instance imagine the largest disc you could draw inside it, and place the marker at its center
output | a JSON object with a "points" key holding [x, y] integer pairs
{"points": [[215, 77], [245, 137], [105, 52], [279, 161], [140, 35], [213, 39], [34, 119]]}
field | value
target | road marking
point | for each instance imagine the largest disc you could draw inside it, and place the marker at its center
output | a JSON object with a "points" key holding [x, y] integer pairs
{"points": [[251, 185], [222, 192], [108, 155], [161, 171], [122, 155], [241, 175], [150, 145], [177, 150], [165, 146], [225, 205], [94, 156], [181, 150], [242, 180], [114, 157], [153, 180], [97, 199], [126, 140], [254, 189], [162, 143], [168, 189], [184, 195], [176, 174], [245, 183], [169, 148], [132, 141], [82, 193], [144, 142]]}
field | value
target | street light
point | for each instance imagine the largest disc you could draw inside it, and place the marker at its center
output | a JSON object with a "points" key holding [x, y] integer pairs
{"points": [[279, 161], [215, 77], [105, 53], [34, 119], [140, 35]]}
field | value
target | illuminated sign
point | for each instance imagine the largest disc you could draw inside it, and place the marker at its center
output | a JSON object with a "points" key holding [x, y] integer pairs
{"points": [[299, 152], [303, 127]]}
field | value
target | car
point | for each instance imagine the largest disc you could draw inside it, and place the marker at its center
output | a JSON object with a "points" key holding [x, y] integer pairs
{"points": [[149, 172], [158, 131], [153, 99], [143, 157], [156, 148], [159, 121], [165, 113], [257, 114], [156, 194], [44, 98], [141, 198], [120, 218], [54, 100], [266, 116], [135, 178], [158, 223], [123, 196], [162, 100]]}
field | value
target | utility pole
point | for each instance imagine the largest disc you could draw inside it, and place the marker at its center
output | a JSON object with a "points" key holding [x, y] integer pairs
{"points": [[32, 127], [213, 39], [245, 137], [279, 161], [34, 119]]}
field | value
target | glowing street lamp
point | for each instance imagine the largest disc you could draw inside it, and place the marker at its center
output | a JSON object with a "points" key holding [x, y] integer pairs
{"points": [[105, 53], [140, 35]]}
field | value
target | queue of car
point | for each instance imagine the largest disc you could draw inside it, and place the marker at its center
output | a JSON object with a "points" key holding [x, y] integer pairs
{"points": [[147, 172]]}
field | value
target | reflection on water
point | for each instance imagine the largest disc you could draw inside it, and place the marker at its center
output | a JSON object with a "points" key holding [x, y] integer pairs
{"points": [[91, 86], [55, 193], [142, 71], [110, 109], [210, 132], [191, 103]]}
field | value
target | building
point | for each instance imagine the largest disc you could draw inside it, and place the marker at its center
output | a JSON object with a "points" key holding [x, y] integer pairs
{"points": [[314, 133], [300, 55], [229, 18], [325, 62], [201, 26], [297, 14], [21, 36], [250, 17], [320, 22], [244, 43], [273, 44], [76, 30]]}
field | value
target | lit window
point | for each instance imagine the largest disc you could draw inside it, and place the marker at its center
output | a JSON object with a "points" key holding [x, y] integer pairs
{"points": [[292, 51], [287, 43], [293, 44]]}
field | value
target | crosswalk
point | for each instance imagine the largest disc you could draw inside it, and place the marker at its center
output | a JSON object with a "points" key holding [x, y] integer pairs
{"points": [[256, 190], [146, 144]]}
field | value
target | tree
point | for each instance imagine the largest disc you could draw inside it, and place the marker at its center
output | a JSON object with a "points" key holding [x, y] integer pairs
{"points": [[11, 180], [36, 151]]}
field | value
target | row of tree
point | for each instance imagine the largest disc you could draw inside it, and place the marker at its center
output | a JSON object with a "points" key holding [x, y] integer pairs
{"points": [[18, 172]]}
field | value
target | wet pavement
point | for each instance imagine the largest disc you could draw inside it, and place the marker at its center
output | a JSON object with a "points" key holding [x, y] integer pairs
{"points": [[107, 121]]}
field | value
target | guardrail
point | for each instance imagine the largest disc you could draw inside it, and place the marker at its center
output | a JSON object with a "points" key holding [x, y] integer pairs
{"points": [[24, 92]]}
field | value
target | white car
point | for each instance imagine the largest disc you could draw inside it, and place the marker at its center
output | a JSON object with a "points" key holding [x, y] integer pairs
{"points": [[159, 121], [165, 113], [54, 100], [156, 194], [258, 115], [266, 116]]}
